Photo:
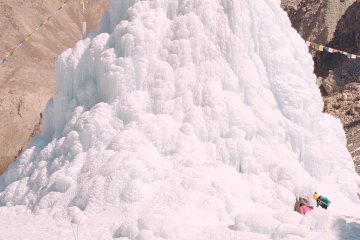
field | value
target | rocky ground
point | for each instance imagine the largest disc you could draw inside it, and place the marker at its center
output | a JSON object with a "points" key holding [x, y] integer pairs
{"points": [[336, 24], [316, 19], [27, 80], [345, 105], [341, 93]]}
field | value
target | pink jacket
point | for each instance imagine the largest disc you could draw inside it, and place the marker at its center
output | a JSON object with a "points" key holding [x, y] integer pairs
{"points": [[305, 208]]}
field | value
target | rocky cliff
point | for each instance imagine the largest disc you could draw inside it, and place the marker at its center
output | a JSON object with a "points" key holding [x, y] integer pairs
{"points": [[316, 19], [27, 80], [334, 24]]}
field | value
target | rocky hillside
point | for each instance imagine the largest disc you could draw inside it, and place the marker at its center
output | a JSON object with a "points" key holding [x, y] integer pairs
{"points": [[335, 24], [316, 19], [343, 100], [27, 80]]}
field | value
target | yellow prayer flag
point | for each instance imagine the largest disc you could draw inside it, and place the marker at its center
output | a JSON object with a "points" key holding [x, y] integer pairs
{"points": [[321, 48], [28, 36]]}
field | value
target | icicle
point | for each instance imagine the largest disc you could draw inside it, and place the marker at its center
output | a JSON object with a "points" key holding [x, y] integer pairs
{"points": [[83, 11], [83, 29]]}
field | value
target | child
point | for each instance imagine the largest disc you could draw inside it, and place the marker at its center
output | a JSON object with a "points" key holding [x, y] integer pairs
{"points": [[321, 201], [305, 208]]}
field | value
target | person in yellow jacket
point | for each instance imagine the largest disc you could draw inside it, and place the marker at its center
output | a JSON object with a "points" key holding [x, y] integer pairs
{"points": [[321, 201]]}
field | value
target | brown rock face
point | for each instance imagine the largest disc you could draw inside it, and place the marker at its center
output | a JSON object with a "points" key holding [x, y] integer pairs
{"points": [[27, 80], [349, 22], [316, 19], [345, 105], [346, 38], [338, 76]]}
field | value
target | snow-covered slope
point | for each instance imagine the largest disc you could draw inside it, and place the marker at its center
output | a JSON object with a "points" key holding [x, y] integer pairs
{"points": [[183, 120]]}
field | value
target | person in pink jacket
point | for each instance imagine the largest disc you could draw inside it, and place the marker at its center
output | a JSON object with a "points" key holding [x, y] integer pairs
{"points": [[305, 208]]}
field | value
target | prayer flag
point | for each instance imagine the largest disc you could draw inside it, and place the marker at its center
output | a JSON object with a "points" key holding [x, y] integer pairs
{"points": [[328, 49], [46, 21], [27, 37]]}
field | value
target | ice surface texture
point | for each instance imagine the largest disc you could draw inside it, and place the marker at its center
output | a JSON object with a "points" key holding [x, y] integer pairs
{"points": [[192, 118]]}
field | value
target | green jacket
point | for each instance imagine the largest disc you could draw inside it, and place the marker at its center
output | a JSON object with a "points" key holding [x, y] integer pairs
{"points": [[322, 201]]}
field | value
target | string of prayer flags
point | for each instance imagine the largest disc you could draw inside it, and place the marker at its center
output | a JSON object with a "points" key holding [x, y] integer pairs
{"points": [[28, 36], [322, 48]]}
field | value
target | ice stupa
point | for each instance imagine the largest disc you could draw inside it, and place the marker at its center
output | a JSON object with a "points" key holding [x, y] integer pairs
{"points": [[183, 119]]}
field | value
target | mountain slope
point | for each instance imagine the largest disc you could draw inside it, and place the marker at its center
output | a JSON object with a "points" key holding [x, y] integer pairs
{"points": [[338, 76], [316, 20], [27, 80]]}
